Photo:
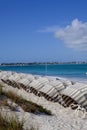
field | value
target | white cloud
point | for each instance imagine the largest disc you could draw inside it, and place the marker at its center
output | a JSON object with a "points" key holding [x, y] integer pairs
{"points": [[74, 35]]}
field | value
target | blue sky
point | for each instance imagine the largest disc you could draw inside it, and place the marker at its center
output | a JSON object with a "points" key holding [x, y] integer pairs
{"points": [[43, 30]]}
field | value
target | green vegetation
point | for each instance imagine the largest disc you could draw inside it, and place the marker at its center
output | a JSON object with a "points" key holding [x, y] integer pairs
{"points": [[10, 123], [1, 89], [27, 106]]}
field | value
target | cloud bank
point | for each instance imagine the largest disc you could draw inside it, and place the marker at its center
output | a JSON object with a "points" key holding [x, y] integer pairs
{"points": [[74, 35]]}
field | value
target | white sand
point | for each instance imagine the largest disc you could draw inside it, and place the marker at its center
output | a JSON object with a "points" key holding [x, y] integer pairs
{"points": [[62, 118]]}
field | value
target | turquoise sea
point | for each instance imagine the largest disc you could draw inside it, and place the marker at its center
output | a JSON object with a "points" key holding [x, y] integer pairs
{"points": [[74, 71]]}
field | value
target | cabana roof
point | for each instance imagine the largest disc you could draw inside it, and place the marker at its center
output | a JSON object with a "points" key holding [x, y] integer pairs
{"points": [[78, 92]]}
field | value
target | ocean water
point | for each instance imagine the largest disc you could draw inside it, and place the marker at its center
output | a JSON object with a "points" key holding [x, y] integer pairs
{"points": [[73, 71]]}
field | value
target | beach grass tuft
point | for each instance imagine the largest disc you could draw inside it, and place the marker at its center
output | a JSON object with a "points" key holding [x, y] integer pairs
{"points": [[27, 106], [10, 123], [1, 89]]}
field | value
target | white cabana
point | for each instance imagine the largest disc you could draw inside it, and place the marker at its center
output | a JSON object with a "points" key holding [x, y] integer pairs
{"points": [[58, 85], [77, 92]]}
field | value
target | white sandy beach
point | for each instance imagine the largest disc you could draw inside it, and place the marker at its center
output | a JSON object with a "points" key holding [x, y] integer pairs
{"points": [[62, 118]]}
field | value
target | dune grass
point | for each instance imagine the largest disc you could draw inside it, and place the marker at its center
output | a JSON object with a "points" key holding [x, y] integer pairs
{"points": [[27, 106], [10, 123], [3, 101], [1, 89]]}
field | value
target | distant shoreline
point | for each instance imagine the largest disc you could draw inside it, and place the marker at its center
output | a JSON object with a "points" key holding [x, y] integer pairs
{"points": [[41, 63]]}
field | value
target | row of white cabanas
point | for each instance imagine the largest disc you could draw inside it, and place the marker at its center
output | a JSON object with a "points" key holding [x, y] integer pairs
{"points": [[59, 90], [78, 92]]}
